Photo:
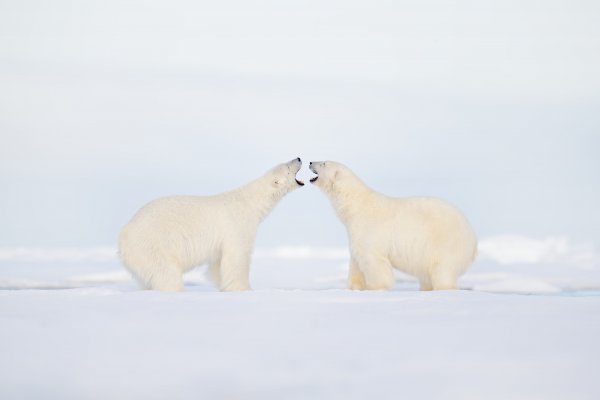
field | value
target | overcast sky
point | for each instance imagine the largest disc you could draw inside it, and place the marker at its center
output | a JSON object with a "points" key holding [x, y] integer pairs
{"points": [[104, 105]]}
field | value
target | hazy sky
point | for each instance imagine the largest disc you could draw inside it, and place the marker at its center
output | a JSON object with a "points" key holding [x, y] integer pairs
{"points": [[105, 105]]}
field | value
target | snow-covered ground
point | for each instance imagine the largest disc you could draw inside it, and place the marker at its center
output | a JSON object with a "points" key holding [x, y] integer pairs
{"points": [[74, 326]]}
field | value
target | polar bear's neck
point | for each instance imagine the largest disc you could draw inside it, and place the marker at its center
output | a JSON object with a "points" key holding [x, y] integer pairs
{"points": [[257, 196], [350, 199]]}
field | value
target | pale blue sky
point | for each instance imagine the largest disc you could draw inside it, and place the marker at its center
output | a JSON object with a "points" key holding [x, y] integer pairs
{"points": [[105, 105]]}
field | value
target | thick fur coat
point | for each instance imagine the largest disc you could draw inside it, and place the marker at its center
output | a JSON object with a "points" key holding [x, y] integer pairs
{"points": [[172, 235], [424, 237]]}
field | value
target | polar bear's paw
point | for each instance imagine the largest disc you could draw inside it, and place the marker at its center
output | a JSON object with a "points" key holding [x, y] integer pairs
{"points": [[236, 287], [172, 282], [356, 280], [356, 284], [443, 282], [379, 281]]}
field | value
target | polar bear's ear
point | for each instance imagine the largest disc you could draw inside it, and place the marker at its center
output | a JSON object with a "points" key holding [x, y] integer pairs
{"points": [[275, 182]]}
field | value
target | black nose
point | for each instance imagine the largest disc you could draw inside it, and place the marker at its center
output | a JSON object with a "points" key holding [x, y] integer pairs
{"points": [[299, 159], [310, 163]]}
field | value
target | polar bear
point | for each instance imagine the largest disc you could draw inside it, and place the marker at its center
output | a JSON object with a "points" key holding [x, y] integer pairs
{"points": [[424, 237], [172, 235]]}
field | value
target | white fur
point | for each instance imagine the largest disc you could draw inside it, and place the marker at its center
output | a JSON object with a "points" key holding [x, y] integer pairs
{"points": [[172, 235], [424, 237]]}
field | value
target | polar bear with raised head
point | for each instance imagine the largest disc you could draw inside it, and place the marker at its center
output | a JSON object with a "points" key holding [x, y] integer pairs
{"points": [[424, 237], [172, 235]]}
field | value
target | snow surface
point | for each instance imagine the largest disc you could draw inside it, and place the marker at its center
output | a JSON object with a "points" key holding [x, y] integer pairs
{"points": [[73, 325]]}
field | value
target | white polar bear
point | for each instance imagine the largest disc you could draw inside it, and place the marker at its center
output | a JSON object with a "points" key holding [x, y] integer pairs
{"points": [[423, 237], [172, 235]]}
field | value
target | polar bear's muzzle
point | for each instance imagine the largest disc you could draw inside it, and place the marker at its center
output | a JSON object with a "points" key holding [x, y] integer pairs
{"points": [[314, 170], [299, 162]]}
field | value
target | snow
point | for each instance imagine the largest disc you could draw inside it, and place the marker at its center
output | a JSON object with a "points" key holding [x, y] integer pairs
{"points": [[510, 249], [73, 325]]}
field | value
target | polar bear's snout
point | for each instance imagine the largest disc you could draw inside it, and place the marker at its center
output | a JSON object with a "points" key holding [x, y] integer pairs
{"points": [[297, 164], [314, 166], [284, 175]]}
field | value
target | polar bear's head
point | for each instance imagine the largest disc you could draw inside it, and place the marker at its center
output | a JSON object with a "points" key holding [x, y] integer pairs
{"points": [[327, 172], [332, 176], [282, 178]]}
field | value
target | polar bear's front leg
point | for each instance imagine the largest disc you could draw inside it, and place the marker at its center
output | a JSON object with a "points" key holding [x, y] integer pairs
{"points": [[426, 284], [356, 279], [213, 273], [378, 272], [235, 270], [167, 279]]}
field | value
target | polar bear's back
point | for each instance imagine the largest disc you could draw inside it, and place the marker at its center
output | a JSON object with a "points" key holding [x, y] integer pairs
{"points": [[172, 215], [439, 212], [430, 232]]}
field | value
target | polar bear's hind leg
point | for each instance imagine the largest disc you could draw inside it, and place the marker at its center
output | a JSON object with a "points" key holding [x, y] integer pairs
{"points": [[425, 284], [213, 273], [444, 278]]}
